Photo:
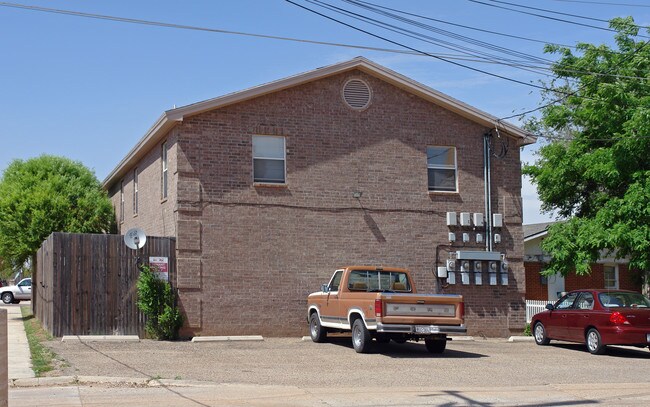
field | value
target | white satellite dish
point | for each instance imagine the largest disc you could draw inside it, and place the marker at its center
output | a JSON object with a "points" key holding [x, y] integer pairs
{"points": [[135, 238]]}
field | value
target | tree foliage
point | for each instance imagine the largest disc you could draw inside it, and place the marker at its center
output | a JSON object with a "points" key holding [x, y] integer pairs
{"points": [[596, 171], [44, 195]]}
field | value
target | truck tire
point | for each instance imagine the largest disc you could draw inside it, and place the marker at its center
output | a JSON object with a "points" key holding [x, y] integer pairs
{"points": [[316, 330], [361, 338], [435, 345]]}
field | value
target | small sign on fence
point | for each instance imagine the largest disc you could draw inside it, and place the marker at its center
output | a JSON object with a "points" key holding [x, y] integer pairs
{"points": [[160, 267]]}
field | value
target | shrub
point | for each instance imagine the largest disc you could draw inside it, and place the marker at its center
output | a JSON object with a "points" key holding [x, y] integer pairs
{"points": [[156, 301], [527, 331]]}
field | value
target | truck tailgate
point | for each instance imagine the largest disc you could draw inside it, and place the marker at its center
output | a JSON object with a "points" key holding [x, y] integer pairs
{"points": [[422, 309]]}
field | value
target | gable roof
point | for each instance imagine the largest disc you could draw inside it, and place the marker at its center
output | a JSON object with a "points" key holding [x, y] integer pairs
{"points": [[170, 118], [536, 230]]}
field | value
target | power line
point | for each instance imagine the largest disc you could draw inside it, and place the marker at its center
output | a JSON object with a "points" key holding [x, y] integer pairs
{"points": [[370, 5], [447, 33], [459, 57], [557, 12], [580, 88], [546, 17], [415, 49], [605, 3], [426, 38]]}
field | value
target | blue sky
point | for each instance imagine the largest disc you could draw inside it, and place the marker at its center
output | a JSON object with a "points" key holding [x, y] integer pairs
{"points": [[88, 89]]}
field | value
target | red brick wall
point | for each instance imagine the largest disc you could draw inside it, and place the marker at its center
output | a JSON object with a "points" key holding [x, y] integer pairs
{"points": [[628, 280], [535, 290], [249, 255], [156, 216]]}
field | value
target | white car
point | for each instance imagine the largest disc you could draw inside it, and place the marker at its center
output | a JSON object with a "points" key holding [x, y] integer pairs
{"points": [[15, 293]]}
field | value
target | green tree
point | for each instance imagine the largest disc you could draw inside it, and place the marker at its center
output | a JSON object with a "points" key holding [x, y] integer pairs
{"points": [[44, 195], [596, 171]]}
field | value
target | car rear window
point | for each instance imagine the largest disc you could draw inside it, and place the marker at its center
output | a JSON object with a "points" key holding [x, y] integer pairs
{"points": [[373, 280], [623, 299]]}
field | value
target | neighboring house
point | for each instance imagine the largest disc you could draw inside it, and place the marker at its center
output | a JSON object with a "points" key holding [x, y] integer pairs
{"points": [[605, 273], [269, 190]]}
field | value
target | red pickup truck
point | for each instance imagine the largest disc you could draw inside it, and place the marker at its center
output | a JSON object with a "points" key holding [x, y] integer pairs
{"points": [[382, 303]]}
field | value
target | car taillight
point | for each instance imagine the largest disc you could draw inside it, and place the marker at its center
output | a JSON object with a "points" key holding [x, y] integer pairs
{"points": [[379, 308], [617, 318]]}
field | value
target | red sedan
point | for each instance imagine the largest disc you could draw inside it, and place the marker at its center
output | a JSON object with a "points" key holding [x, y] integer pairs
{"points": [[596, 318]]}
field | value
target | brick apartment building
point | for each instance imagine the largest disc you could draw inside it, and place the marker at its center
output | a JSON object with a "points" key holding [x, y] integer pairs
{"points": [[268, 190], [606, 273]]}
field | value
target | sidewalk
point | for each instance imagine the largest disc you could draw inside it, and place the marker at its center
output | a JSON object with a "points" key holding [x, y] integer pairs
{"points": [[19, 356]]}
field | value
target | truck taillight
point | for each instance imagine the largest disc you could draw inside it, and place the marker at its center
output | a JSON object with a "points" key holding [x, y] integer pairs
{"points": [[616, 318], [461, 309], [379, 308]]}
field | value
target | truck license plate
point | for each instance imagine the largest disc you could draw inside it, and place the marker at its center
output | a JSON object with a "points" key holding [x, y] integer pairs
{"points": [[426, 329]]}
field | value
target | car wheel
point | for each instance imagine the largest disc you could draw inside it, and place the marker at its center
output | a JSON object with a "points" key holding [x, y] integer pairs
{"points": [[435, 345], [540, 334], [595, 342], [7, 298], [316, 330], [360, 336]]}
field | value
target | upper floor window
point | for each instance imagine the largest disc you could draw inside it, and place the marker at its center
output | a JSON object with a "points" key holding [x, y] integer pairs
{"points": [[269, 159], [441, 169], [121, 201], [135, 191], [164, 176], [611, 276]]}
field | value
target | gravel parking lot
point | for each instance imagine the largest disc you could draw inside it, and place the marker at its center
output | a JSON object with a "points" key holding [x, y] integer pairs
{"points": [[291, 361]]}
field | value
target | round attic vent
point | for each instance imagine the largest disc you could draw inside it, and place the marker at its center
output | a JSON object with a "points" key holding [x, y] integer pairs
{"points": [[356, 94]]}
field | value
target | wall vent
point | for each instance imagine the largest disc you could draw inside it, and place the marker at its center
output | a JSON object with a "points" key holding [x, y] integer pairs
{"points": [[356, 94]]}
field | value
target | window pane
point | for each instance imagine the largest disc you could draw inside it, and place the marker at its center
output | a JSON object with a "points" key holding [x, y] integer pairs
{"points": [[268, 147], [442, 179], [441, 156], [268, 170]]}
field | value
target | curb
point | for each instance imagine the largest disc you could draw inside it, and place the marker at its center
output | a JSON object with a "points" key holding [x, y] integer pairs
{"points": [[246, 338], [521, 339], [63, 381], [100, 338]]}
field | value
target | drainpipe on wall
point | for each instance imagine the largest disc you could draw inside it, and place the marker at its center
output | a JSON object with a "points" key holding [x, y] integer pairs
{"points": [[488, 191]]}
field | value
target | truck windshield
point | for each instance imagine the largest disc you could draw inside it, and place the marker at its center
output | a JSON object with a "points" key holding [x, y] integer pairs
{"points": [[373, 280]]}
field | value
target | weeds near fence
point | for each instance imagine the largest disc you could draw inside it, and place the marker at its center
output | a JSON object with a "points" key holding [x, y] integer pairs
{"points": [[42, 357]]}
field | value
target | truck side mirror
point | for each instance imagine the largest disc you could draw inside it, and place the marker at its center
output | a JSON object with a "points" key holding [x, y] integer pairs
{"points": [[325, 288]]}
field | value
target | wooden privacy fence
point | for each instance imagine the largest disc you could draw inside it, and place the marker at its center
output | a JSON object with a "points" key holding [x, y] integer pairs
{"points": [[85, 284]]}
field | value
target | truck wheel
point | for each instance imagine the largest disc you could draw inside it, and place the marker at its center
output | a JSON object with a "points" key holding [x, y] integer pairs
{"points": [[7, 298], [360, 336], [435, 345], [317, 332]]}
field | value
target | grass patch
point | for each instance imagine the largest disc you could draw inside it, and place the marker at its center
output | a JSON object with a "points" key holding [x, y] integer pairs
{"points": [[42, 357]]}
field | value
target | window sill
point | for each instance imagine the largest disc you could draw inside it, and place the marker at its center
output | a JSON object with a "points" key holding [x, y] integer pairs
{"points": [[269, 185], [163, 200], [442, 192], [135, 215]]}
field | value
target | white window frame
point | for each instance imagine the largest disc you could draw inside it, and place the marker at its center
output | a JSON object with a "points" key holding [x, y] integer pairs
{"points": [[616, 277], [121, 201], [283, 159], [164, 175], [443, 167], [135, 191]]}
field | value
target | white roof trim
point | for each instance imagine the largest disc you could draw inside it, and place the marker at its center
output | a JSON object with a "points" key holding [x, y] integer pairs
{"points": [[536, 236], [169, 118]]}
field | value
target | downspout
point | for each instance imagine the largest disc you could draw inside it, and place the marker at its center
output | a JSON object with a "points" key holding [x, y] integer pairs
{"points": [[488, 191]]}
